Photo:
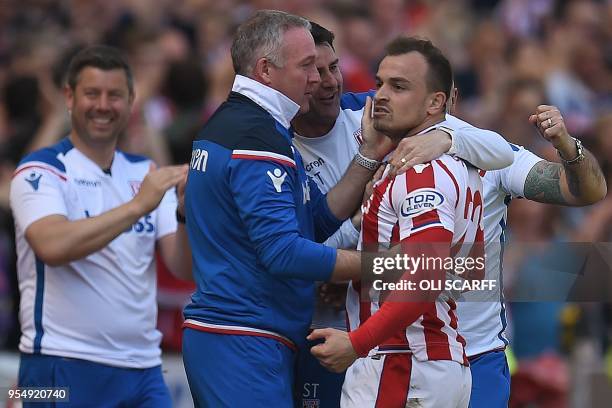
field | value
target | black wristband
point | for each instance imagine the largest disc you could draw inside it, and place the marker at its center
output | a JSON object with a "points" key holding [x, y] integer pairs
{"points": [[179, 217]]}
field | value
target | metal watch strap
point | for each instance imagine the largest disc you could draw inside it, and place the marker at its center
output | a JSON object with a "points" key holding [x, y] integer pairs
{"points": [[579, 154], [363, 161]]}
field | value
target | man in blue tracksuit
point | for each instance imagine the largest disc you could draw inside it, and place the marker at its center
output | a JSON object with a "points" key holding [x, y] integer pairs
{"points": [[253, 216]]}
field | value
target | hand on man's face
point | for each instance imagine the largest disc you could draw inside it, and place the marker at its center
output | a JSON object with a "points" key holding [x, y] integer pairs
{"points": [[376, 145]]}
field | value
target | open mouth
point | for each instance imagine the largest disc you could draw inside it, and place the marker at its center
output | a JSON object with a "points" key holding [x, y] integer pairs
{"points": [[328, 99], [101, 122]]}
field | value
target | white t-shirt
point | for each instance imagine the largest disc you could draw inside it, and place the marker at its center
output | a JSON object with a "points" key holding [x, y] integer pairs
{"points": [[101, 308], [326, 158], [482, 321]]}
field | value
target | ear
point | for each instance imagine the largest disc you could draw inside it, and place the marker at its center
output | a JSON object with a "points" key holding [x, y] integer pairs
{"points": [[262, 71], [437, 103], [69, 97]]}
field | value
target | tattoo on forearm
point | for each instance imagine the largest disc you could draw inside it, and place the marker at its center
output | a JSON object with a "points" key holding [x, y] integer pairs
{"points": [[542, 183], [589, 171], [573, 179]]}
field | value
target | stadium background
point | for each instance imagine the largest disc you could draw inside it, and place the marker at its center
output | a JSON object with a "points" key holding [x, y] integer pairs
{"points": [[508, 56]]}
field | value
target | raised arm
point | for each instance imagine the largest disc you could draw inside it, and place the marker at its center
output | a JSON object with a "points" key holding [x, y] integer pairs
{"points": [[577, 181]]}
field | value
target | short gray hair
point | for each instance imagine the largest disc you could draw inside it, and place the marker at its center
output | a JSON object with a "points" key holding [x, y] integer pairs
{"points": [[262, 36]]}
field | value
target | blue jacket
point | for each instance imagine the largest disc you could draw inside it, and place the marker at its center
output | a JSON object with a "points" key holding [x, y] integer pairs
{"points": [[252, 217]]}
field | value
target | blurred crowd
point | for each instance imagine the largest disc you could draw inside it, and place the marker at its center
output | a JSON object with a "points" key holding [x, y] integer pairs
{"points": [[508, 55]]}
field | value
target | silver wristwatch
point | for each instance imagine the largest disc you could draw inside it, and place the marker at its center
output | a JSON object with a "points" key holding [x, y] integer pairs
{"points": [[579, 154], [363, 161]]}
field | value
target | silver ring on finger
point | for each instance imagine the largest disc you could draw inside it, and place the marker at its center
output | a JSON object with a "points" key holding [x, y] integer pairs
{"points": [[549, 122], [403, 160]]}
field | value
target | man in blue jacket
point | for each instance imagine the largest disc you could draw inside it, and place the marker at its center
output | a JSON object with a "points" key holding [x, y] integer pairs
{"points": [[253, 216]]}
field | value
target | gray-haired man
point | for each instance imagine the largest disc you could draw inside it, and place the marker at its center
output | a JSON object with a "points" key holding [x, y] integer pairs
{"points": [[252, 216]]}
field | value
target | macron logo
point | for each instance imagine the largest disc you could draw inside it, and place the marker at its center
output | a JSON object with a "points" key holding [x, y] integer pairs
{"points": [[278, 177], [34, 179]]}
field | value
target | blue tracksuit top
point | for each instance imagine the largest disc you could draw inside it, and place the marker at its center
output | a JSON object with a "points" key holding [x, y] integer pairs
{"points": [[252, 218]]}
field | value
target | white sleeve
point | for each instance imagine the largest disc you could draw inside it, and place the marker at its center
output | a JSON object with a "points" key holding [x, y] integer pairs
{"points": [[345, 237], [166, 214], [423, 200], [37, 191], [513, 177], [482, 148]]}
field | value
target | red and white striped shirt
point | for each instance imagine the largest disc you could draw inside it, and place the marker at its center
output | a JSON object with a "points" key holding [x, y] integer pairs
{"points": [[437, 202]]}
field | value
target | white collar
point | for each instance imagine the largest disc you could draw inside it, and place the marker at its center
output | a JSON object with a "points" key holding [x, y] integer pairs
{"points": [[276, 103]]}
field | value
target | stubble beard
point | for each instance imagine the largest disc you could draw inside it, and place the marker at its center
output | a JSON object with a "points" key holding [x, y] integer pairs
{"points": [[387, 130]]}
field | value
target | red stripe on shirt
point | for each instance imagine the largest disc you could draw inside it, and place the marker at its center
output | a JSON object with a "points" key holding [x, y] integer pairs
{"points": [[436, 341], [370, 218], [452, 177], [397, 313], [239, 332], [395, 234], [370, 239], [49, 169], [453, 324], [263, 158]]}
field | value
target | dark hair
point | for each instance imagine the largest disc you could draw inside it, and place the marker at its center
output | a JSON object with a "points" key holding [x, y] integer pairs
{"points": [[102, 57], [322, 35], [439, 72]]}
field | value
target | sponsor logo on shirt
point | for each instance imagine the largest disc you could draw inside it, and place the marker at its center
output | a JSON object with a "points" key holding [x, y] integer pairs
{"points": [[144, 225], [135, 186], [277, 177], [87, 183], [314, 164], [34, 179], [420, 201]]}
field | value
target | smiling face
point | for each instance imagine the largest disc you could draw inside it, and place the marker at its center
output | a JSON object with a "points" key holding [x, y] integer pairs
{"points": [[325, 101], [403, 104], [298, 77], [100, 105]]}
